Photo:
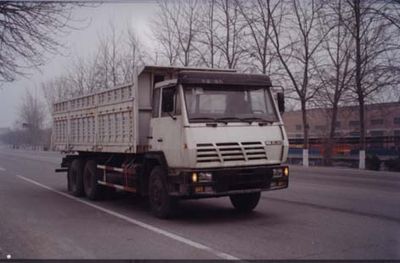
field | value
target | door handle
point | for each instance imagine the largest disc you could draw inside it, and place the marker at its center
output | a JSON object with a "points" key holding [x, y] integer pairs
{"points": [[160, 140]]}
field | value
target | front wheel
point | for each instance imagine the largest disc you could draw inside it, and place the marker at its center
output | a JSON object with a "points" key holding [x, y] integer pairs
{"points": [[161, 204], [245, 202]]}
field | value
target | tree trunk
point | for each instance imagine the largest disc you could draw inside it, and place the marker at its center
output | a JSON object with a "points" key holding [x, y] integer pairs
{"points": [[358, 80], [362, 133], [305, 133], [331, 139], [212, 33]]}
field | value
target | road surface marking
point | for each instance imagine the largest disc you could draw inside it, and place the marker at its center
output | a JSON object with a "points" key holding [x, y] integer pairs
{"points": [[2, 169], [137, 222]]}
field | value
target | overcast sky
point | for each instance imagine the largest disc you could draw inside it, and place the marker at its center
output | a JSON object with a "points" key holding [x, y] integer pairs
{"points": [[137, 14]]}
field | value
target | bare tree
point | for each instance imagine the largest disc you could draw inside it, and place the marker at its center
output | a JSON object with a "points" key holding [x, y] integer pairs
{"points": [[57, 89], [133, 57], [164, 33], [109, 57], [32, 115], [230, 34], [181, 19], [337, 71], [376, 39], [258, 21], [113, 40], [205, 42], [29, 129], [297, 44], [118, 54], [113, 63], [28, 31]]}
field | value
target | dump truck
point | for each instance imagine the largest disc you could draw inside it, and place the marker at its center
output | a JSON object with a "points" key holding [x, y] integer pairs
{"points": [[176, 133]]}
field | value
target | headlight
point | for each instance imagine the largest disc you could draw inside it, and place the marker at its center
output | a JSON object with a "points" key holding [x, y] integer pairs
{"points": [[205, 177], [194, 177], [277, 172], [286, 171], [282, 171], [201, 177]]}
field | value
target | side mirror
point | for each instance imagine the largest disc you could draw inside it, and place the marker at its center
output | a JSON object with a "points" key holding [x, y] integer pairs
{"points": [[281, 101], [168, 100]]}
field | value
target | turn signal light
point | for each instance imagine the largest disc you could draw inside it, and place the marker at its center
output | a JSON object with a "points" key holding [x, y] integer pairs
{"points": [[204, 177]]}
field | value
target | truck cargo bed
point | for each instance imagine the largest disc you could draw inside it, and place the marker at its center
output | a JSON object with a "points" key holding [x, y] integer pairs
{"points": [[99, 122]]}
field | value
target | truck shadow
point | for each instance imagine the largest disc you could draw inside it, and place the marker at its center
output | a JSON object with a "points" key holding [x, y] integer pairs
{"points": [[212, 211], [206, 211], [215, 210]]}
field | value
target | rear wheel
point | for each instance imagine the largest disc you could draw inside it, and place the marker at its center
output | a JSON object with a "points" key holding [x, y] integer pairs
{"points": [[93, 190], [75, 178], [245, 202], [161, 204]]}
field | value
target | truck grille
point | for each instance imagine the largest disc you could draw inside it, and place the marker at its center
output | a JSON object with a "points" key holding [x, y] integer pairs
{"points": [[230, 151]]}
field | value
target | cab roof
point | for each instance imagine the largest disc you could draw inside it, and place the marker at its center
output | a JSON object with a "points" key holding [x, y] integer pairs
{"points": [[225, 78], [172, 69]]}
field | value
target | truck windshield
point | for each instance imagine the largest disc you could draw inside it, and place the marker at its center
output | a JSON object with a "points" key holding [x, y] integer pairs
{"points": [[229, 104]]}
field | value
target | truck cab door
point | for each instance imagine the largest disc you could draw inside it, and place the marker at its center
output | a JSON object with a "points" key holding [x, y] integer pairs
{"points": [[166, 124]]}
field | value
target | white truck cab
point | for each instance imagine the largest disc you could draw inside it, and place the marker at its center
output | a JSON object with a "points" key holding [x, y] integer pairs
{"points": [[225, 123]]}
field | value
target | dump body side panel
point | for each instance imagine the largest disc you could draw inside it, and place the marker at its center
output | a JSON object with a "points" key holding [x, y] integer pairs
{"points": [[100, 122]]}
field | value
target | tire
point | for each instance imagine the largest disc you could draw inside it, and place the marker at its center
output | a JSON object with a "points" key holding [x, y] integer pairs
{"points": [[75, 178], [161, 204], [245, 202], [93, 190]]}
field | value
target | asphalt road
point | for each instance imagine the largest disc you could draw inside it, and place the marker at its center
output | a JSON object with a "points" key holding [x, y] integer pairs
{"points": [[325, 214]]}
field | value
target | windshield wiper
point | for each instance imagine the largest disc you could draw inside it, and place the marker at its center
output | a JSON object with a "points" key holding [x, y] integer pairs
{"points": [[207, 119], [226, 119], [259, 119]]}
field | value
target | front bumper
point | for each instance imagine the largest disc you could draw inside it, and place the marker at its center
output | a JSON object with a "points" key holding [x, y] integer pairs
{"points": [[229, 181]]}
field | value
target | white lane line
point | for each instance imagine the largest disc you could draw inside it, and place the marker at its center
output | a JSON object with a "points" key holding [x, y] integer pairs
{"points": [[2, 169], [137, 222]]}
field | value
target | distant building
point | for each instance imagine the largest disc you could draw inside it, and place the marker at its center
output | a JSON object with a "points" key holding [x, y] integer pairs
{"points": [[382, 122]]}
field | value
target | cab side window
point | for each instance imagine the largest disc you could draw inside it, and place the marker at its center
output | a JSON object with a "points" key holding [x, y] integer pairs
{"points": [[170, 102], [156, 103], [178, 109]]}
